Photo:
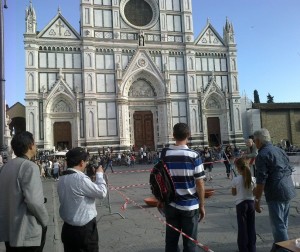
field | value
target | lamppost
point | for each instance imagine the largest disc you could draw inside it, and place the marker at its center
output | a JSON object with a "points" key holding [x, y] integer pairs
{"points": [[2, 78]]}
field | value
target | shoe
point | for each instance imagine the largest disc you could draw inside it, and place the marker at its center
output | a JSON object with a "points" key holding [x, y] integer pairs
{"points": [[205, 179], [210, 179]]}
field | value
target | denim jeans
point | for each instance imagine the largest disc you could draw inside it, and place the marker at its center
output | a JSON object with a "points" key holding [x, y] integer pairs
{"points": [[278, 214], [245, 214], [187, 222]]}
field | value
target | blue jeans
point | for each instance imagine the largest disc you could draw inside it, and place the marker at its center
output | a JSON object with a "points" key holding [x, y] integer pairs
{"points": [[245, 214], [187, 221], [278, 213]]}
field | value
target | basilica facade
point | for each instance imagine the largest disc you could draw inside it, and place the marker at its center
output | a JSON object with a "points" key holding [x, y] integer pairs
{"points": [[132, 71]]}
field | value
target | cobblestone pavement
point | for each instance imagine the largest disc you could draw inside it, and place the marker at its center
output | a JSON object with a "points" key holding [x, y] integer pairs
{"points": [[141, 231]]}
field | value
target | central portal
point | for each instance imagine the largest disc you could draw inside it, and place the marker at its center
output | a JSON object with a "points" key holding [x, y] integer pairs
{"points": [[143, 129], [62, 135], [213, 131]]}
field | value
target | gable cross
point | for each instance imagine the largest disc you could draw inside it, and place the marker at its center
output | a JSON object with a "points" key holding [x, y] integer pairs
{"points": [[60, 25], [210, 34]]}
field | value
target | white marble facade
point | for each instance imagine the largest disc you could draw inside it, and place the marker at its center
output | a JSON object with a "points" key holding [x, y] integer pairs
{"points": [[122, 63]]}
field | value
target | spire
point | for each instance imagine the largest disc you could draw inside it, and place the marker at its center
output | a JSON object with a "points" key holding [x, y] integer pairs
{"points": [[30, 19], [228, 26], [30, 10], [228, 32], [59, 10]]}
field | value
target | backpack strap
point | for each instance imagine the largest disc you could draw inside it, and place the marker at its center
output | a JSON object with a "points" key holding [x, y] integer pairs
{"points": [[163, 153], [68, 172]]}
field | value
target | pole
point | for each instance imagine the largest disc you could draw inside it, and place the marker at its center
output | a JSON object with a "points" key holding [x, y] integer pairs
{"points": [[2, 88], [2, 78], [108, 200]]}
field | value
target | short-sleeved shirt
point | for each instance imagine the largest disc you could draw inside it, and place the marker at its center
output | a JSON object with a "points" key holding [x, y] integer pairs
{"points": [[185, 167], [242, 193]]}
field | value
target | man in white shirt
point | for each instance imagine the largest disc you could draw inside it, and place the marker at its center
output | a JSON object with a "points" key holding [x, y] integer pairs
{"points": [[77, 194]]}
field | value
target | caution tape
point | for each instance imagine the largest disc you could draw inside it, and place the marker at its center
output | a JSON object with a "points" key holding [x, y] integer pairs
{"points": [[132, 171], [128, 200], [128, 186]]}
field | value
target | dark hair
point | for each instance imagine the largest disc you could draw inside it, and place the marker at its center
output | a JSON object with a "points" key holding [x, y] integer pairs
{"points": [[21, 142], [75, 156], [181, 131]]}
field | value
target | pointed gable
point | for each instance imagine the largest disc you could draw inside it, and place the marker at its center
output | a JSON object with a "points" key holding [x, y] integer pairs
{"points": [[59, 28], [209, 36], [142, 61], [61, 89], [142, 67]]}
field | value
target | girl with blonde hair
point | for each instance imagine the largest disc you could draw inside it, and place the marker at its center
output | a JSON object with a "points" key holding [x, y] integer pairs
{"points": [[243, 187]]}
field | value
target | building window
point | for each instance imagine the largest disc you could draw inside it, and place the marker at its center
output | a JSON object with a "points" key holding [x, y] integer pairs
{"points": [[173, 5], [103, 18], [211, 64], [107, 119], [125, 60], [105, 61], [102, 2], [174, 23], [177, 83], [106, 83], [158, 60], [176, 63], [179, 113]]}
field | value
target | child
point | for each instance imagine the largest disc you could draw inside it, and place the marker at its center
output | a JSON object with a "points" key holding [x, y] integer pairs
{"points": [[228, 157], [208, 164], [243, 187]]}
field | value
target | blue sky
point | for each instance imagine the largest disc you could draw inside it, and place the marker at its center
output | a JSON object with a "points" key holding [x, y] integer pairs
{"points": [[267, 36]]}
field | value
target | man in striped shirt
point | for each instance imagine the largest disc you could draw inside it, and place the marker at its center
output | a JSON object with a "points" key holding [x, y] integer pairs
{"points": [[187, 173]]}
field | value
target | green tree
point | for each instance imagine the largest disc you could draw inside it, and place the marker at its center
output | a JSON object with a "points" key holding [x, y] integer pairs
{"points": [[270, 98], [256, 96]]}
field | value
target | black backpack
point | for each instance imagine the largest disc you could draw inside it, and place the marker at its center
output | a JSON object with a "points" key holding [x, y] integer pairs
{"points": [[161, 183]]}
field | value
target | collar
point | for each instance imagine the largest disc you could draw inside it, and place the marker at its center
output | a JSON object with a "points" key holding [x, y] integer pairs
{"points": [[25, 157], [178, 147]]}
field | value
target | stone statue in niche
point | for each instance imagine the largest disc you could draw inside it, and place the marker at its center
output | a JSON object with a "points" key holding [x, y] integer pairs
{"points": [[119, 71], [141, 38], [166, 71], [141, 88]]}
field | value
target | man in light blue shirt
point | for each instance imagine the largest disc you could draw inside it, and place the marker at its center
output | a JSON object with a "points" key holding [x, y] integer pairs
{"points": [[77, 194]]}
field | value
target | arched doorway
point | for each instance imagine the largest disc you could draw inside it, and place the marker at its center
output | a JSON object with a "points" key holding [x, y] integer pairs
{"points": [[143, 129], [62, 133], [213, 131]]}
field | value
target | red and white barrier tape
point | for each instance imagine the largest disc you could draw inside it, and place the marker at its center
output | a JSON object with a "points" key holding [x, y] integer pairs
{"points": [[128, 186], [132, 171], [124, 207]]}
